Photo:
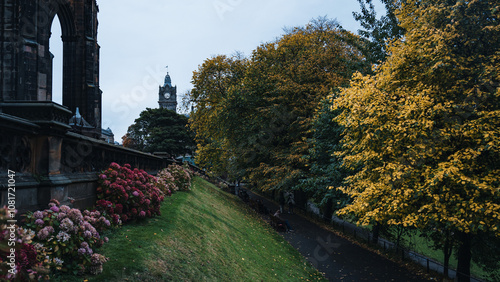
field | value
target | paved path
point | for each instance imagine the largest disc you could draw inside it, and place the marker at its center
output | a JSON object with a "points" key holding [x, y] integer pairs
{"points": [[335, 256]]}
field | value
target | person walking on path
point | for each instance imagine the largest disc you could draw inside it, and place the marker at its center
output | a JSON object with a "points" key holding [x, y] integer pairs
{"points": [[281, 199], [291, 202]]}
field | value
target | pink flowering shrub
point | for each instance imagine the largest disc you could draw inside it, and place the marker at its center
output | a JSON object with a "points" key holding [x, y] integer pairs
{"points": [[25, 261], [167, 181], [177, 177], [65, 238], [126, 194], [164, 183]]}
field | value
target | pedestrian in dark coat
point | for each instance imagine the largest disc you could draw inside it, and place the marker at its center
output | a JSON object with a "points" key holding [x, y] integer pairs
{"points": [[281, 200]]}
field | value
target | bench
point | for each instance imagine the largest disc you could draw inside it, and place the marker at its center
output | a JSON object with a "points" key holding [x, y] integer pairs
{"points": [[278, 224]]}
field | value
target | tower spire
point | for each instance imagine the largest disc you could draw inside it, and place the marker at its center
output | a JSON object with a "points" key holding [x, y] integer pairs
{"points": [[168, 94]]}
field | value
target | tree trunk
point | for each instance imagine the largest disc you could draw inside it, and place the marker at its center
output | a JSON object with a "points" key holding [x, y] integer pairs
{"points": [[376, 233], [328, 210], [447, 250], [464, 257], [399, 235]]}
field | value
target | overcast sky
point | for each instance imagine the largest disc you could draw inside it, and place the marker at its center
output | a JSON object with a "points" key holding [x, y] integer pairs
{"points": [[139, 39]]}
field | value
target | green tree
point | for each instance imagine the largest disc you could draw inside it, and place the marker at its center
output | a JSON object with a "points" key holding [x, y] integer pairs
{"points": [[253, 115], [381, 30], [486, 254], [160, 130], [425, 127], [326, 172], [214, 113], [284, 84]]}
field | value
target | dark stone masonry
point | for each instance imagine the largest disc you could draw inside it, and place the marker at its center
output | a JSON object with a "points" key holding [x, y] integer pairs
{"points": [[55, 150]]}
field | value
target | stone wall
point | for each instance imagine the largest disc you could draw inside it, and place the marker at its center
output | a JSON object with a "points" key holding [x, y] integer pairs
{"points": [[50, 162], [26, 62], [51, 159]]}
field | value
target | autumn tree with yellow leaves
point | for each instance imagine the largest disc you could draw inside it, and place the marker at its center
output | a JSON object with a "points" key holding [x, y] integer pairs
{"points": [[286, 81], [253, 116], [212, 117], [424, 130]]}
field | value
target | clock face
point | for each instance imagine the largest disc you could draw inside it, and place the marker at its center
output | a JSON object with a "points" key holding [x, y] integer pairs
{"points": [[167, 95]]}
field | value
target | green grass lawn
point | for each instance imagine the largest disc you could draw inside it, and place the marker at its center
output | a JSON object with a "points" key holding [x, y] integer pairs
{"points": [[202, 235], [423, 246]]}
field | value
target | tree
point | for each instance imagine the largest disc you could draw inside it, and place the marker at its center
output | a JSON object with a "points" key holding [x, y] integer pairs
{"points": [[213, 114], [326, 172], [379, 31], [424, 129], [160, 130], [257, 112], [486, 254], [134, 138], [284, 84], [441, 240]]}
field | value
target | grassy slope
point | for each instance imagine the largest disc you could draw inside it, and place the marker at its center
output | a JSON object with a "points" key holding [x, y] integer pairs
{"points": [[203, 235]]}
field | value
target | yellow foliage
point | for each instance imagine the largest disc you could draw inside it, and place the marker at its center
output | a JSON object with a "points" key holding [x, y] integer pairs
{"points": [[425, 129]]}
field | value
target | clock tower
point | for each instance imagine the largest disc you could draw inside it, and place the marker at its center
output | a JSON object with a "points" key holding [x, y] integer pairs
{"points": [[168, 95]]}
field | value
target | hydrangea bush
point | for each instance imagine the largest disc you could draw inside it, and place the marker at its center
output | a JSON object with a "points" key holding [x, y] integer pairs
{"points": [[166, 181], [126, 194], [178, 177], [26, 261], [64, 238], [61, 238]]}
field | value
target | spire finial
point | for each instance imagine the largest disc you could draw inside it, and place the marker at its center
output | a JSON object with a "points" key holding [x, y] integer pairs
{"points": [[167, 69]]}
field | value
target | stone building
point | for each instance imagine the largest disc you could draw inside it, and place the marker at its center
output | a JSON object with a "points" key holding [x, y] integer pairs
{"points": [[56, 151], [108, 136], [168, 95], [26, 69]]}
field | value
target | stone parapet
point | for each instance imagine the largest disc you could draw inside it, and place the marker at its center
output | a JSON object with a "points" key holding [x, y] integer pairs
{"points": [[57, 164]]}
